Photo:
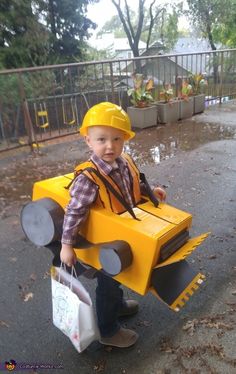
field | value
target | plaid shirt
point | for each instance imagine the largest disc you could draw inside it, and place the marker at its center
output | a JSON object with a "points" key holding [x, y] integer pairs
{"points": [[84, 193]]}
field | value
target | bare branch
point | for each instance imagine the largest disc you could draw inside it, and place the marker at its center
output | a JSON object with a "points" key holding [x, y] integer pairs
{"points": [[152, 21], [162, 27], [126, 28], [140, 21], [129, 20], [150, 25], [134, 32]]}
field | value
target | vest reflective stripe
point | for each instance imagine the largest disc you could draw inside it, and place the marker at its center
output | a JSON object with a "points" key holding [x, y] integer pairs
{"points": [[105, 197]]}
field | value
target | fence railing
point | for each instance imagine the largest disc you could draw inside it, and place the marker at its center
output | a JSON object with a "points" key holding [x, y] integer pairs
{"points": [[41, 103]]}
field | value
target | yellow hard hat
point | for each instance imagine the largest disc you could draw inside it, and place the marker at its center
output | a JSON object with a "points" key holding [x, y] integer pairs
{"points": [[107, 114]]}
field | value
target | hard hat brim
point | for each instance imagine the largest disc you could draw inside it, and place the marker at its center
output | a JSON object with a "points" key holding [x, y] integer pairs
{"points": [[128, 133]]}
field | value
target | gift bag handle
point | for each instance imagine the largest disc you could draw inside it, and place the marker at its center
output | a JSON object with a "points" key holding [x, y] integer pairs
{"points": [[72, 274]]}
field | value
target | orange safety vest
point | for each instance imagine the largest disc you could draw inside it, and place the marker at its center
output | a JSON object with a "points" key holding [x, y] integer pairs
{"points": [[106, 198]]}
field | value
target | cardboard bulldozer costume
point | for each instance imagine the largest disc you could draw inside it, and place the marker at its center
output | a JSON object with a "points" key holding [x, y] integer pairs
{"points": [[145, 254]]}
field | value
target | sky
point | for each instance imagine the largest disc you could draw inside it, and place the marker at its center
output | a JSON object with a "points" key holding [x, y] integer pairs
{"points": [[97, 13]]}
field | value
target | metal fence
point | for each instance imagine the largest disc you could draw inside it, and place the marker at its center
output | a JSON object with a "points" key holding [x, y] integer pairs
{"points": [[41, 103]]}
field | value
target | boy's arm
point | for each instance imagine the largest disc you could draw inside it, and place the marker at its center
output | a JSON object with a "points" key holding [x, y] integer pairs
{"points": [[83, 194], [158, 191]]}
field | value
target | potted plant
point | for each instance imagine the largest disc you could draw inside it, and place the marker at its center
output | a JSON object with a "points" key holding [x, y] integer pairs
{"points": [[198, 83], [186, 100], [167, 107], [142, 114]]}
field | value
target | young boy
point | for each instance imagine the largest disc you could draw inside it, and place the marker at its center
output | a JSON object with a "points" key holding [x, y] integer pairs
{"points": [[105, 127]]}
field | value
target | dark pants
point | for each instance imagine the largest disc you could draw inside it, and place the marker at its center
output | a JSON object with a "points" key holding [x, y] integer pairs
{"points": [[109, 298]]}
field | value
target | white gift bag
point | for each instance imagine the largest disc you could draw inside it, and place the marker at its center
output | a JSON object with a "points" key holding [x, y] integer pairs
{"points": [[72, 309]]}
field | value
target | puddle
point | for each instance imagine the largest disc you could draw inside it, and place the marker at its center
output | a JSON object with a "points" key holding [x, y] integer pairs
{"points": [[151, 146]]}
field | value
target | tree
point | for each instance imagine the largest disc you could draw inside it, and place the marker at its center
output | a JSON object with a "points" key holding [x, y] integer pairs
{"points": [[205, 14], [149, 23], [165, 27], [210, 16], [38, 32], [134, 29], [114, 26], [69, 26], [23, 40], [225, 29]]}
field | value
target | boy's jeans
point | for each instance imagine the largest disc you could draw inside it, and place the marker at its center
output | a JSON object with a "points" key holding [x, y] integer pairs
{"points": [[109, 298]]}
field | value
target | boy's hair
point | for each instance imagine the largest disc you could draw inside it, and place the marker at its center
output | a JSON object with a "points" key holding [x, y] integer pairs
{"points": [[107, 114]]}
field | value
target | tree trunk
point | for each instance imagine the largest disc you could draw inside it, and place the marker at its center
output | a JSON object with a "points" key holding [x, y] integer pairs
{"points": [[215, 60], [52, 18]]}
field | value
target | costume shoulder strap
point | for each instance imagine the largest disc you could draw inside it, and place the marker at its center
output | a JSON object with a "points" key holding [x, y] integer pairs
{"points": [[81, 168], [130, 161], [84, 165], [143, 179]]}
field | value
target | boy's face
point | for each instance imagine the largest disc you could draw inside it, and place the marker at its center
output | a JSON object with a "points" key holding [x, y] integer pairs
{"points": [[106, 142]]}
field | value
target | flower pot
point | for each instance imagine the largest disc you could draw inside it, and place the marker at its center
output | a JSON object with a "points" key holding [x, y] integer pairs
{"points": [[142, 117], [167, 112], [141, 104], [186, 108], [199, 103]]}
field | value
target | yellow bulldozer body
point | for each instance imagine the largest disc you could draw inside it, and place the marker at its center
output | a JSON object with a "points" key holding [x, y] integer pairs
{"points": [[155, 227]]}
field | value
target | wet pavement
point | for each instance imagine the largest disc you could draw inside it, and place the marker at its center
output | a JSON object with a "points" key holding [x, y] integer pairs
{"points": [[196, 160]]}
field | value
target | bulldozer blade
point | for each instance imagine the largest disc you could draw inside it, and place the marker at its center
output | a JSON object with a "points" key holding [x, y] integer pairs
{"points": [[175, 283], [184, 251]]}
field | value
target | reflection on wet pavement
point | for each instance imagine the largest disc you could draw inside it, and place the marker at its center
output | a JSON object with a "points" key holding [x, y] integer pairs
{"points": [[150, 146]]}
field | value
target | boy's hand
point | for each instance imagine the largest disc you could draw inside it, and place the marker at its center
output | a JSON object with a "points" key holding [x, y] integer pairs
{"points": [[160, 193], [68, 255]]}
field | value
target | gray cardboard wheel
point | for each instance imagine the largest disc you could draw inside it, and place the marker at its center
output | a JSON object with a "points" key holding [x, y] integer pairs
{"points": [[115, 256], [42, 221]]}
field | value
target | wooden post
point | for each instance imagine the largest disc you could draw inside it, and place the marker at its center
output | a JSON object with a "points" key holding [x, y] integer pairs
{"points": [[221, 76], [27, 119]]}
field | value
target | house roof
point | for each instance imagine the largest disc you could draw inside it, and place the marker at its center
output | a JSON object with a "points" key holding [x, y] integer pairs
{"points": [[154, 49], [191, 44], [103, 42], [197, 63]]}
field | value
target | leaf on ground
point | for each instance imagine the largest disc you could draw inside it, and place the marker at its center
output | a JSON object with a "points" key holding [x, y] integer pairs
{"points": [[28, 296], [167, 347], [99, 366], [220, 325], [46, 275], [233, 306], [216, 349], [190, 326], [144, 323], [212, 257], [33, 276], [3, 324]]}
